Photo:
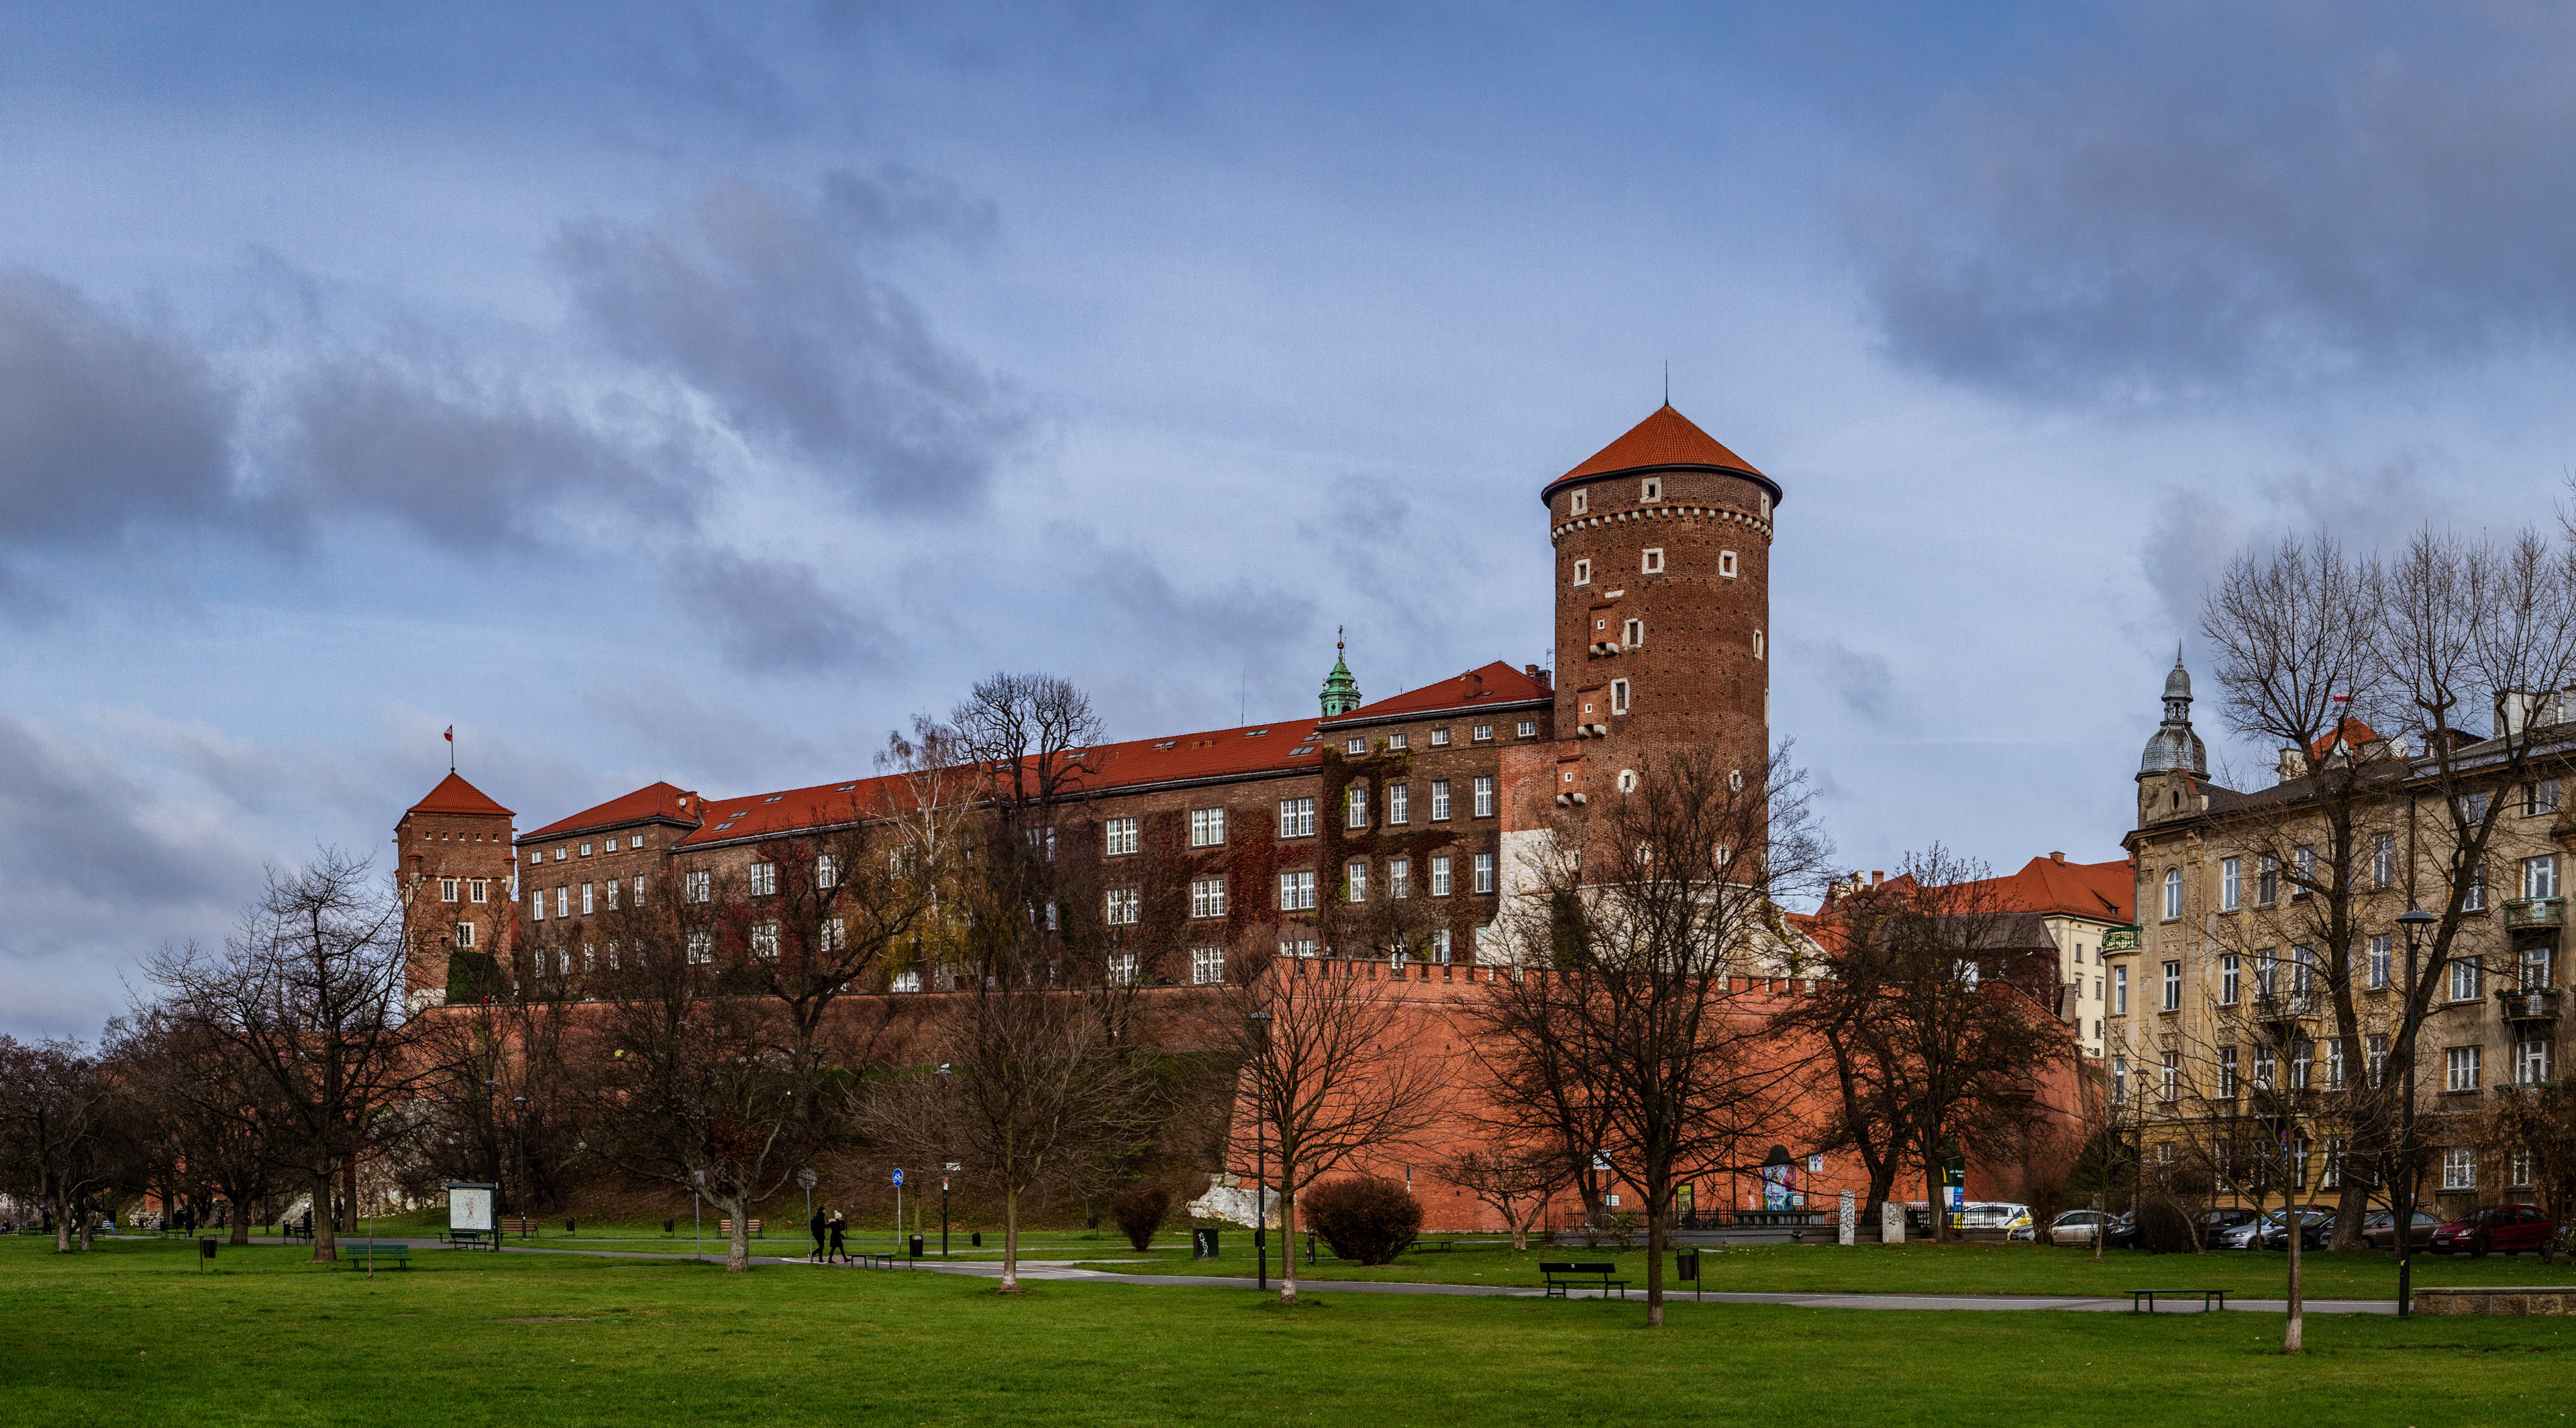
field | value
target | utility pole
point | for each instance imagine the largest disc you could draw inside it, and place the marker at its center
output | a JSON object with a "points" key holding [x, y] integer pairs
{"points": [[947, 1167]]}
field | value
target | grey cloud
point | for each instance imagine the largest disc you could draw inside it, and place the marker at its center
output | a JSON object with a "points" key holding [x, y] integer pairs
{"points": [[2221, 194], [771, 615], [1860, 680], [105, 424], [778, 309], [699, 739], [76, 822], [461, 461]]}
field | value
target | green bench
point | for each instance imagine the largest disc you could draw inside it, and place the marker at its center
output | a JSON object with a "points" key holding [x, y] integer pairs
{"points": [[1562, 1279], [361, 1254]]}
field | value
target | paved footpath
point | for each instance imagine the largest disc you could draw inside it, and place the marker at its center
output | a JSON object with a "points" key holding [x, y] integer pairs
{"points": [[1076, 1271]]}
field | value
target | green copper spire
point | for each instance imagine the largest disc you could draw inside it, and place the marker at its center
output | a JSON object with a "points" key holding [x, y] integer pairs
{"points": [[1341, 691]]}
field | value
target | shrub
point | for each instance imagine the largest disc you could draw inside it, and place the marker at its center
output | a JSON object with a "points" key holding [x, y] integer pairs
{"points": [[1366, 1220], [2164, 1226], [1139, 1210]]}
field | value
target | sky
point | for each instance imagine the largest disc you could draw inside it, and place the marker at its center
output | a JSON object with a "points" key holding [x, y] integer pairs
{"points": [[653, 392]]}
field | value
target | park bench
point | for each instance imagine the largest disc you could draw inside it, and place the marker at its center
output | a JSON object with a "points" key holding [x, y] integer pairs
{"points": [[296, 1232], [362, 1254], [725, 1227], [524, 1227], [1562, 1279], [2145, 1299], [880, 1261]]}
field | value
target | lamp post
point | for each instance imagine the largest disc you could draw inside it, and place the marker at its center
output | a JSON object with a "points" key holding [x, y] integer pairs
{"points": [[2413, 920], [1260, 1154], [519, 1114], [945, 1164]]}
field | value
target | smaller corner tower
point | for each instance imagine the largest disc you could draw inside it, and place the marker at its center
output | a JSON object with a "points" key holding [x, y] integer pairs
{"points": [[2173, 773], [1341, 690], [452, 869]]}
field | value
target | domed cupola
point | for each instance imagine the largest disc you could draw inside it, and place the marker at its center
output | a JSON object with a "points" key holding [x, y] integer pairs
{"points": [[1341, 690], [2173, 747]]}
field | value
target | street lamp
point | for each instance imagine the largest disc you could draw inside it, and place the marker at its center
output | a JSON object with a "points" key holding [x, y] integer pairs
{"points": [[2413, 921], [945, 1164], [519, 1113], [1260, 1153]]}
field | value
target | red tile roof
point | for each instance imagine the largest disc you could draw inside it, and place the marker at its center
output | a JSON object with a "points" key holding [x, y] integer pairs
{"points": [[455, 795], [654, 800], [2104, 891], [1664, 438], [2351, 731], [1496, 683]]}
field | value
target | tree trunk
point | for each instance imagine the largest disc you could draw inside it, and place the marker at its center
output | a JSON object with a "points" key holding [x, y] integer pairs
{"points": [[349, 1194], [2290, 1334], [2354, 1204], [1288, 1249], [326, 1245], [62, 1227], [239, 1219], [1011, 1240], [1933, 1201], [2101, 1226], [1655, 1259], [738, 1244]]}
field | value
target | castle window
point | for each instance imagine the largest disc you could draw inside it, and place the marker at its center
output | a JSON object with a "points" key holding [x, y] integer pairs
{"points": [[477, 889], [1120, 836], [1355, 804], [1399, 877], [764, 941], [588, 892], [905, 981], [1124, 906], [1583, 572], [1296, 818], [1650, 490], [1439, 738], [1484, 872], [1440, 875], [835, 937], [1654, 561], [612, 894], [1627, 780], [1726, 564], [1395, 742], [1633, 634], [1484, 796], [1440, 945], [1757, 644], [1578, 503], [639, 889], [562, 853], [764, 879], [1618, 696], [702, 948], [697, 886], [612, 845], [1529, 728], [465, 934], [1355, 881], [827, 870], [1484, 733], [1207, 966], [1207, 897], [585, 850], [1207, 827], [563, 902], [1440, 800], [1297, 891], [1355, 747], [1398, 803], [447, 889]]}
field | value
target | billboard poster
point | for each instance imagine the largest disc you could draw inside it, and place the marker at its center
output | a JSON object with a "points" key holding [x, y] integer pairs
{"points": [[469, 1207], [1779, 1187]]}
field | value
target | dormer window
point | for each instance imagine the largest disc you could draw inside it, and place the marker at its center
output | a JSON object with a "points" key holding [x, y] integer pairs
{"points": [[1578, 503], [1650, 490]]}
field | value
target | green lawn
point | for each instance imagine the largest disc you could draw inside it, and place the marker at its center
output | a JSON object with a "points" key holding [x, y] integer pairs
{"points": [[1983, 1268], [136, 1333]]}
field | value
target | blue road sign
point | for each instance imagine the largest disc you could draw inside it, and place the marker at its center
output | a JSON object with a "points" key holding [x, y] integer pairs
{"points": [[898, 1177]]}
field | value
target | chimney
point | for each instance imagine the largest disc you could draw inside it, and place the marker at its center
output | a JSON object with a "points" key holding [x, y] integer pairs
{"points": [[1876, 876], [2294, 764], [2057, 858]]}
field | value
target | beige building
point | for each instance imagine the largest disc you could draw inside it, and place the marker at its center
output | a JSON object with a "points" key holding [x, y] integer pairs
{"points": [[2233, 1030]]}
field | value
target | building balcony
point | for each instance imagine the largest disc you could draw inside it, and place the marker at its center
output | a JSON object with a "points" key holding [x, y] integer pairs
{"points": [[2285, 1006], [2536, 1006], [2536, 912]]}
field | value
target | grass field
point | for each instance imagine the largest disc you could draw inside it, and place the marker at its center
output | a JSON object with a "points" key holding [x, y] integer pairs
{"points": [[137, 1333]]}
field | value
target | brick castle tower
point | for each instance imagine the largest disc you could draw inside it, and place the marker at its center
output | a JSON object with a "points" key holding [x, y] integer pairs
{"points": [[1663, 602], [452, 868]]}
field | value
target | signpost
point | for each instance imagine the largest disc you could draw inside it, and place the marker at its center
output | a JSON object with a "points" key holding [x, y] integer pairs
{"points": [[805, 1182], [469, 1212], [898, 1210], [950, 1167]]}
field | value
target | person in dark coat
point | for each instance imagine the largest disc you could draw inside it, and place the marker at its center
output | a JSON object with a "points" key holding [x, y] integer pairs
{"points": [[814, 1227], [840, 1246]]}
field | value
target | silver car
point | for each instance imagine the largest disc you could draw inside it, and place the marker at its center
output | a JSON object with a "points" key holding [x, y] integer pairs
{"points": [[2075, 1227]]}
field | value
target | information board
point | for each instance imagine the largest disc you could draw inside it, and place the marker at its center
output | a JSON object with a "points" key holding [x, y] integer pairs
{"points": [[469, 1207]]}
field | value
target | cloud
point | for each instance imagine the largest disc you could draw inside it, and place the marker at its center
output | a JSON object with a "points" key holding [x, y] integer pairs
{"points": [[776, 616], [1861, 681], [464, 462], [77, 824], [699, 739], [2212, 195], [777, 308], [105, 424]]}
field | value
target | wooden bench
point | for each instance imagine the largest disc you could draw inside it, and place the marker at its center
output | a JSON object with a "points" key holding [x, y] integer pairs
{"points": [[1561, 1279], [2144, 1300], [361, 1255], [725, 1227], [880, 1261], [522, 1226]]}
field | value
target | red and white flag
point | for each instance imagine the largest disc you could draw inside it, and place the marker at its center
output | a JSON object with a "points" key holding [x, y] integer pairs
{"points": [[451, 733]]}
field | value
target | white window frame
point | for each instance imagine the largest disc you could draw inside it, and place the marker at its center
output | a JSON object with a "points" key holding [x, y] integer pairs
{"points": [[1355, 805], [2460, 1068], [465, 934], [1726, 564], [764, 941], [1399, 801], [1207, 966], [907, 980], [697, 885], [1296, 818], [1440, 738], [1118, 837], [1481, 734], [2379, 954], [1651, 561], [563, 901], [764, 880], [1484, 872], [1399, 878], [701, 948], [2231, 884], [1583, 572], [1528, 729], [2173, 895], [835, 935], [447, 889], [2540, 876], [1297, 890], [1484, 795], [827, 870], [1355, 881], [1578, 502], [2468, 982], [1124, 969], [2459, 1168], [1440, 875], [2531, 1061], [1207, 897], [589, 899], [2173, 987], [478, 889], [1440, 800], [1618, 696], [2231, 979], [2383, 860], [1123, 907], [1207, 827], [1650, 490], [2120, 990]]}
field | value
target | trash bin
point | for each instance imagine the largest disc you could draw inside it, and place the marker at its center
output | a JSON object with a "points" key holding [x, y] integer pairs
{"points": [[916, 1246], [1202, 1244], [1686, 1266], [205, 1249], [976, 1239], [568, 1229]]}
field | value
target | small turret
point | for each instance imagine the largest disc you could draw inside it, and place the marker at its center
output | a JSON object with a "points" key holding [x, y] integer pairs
{"points": [[1341, 691], [2173, 747]]}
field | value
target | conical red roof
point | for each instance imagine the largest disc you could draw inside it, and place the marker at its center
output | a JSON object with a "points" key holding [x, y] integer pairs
{"points": [[1664, 438], [455, 795]]}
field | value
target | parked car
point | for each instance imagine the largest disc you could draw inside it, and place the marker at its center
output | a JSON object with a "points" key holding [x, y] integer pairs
{"points": [[2315, 1222], [2214, 1225], [2379, 1229], [2260, 1231], [2124, 1230], [2075, 1227], [2508, 1229]]}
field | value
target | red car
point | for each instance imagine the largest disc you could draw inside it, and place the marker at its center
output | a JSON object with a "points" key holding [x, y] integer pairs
{"points": [[2509, 1228]]}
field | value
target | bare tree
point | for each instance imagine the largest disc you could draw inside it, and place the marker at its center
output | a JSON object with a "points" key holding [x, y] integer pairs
{"points": [[59, 1117], [1330, 1070], [212, 1107], [1513, 1179], [1939, 1016], [309, 990], [1657, 917], [2532, 1130]]}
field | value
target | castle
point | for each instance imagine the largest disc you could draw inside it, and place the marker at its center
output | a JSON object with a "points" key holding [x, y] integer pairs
{"points": [[1662, 579]]}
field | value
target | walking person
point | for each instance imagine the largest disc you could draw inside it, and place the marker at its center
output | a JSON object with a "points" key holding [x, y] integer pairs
{"points": [[814, 1227], [840, 1246]]}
